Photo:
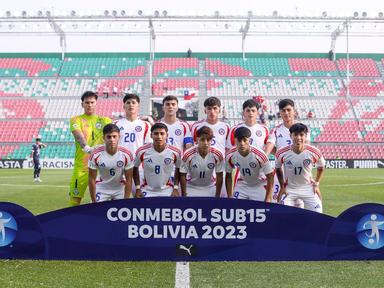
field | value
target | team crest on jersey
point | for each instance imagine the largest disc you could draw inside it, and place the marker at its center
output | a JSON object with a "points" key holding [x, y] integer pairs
{"points": [[221, 131], [211, 165], [259, 133], [167, 161], [252, 165], [75, 126], [120, 164], [138, 128], [307, 162], [178, 132], [98, 125]]}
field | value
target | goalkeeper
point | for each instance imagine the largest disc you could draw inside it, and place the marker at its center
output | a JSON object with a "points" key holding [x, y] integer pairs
{"points": [[87, 129]]}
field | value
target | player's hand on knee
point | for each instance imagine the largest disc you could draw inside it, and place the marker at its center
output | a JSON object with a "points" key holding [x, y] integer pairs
{"points": [[316, 190], [175, 193], [139, 194], [281, 194]]}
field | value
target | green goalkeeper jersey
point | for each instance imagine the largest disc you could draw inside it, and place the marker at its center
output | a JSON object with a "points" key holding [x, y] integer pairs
{"points": [[92, 128]]}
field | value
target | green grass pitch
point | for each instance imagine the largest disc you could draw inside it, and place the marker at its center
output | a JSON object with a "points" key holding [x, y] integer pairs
{"points": [[341, 189]]}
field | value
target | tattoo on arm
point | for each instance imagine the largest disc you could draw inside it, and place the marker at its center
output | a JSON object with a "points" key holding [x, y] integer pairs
{"points": [[79, 137]]}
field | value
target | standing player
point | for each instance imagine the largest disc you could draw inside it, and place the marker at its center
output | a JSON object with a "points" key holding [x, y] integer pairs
{"points": [[179, 134], [249, 163], [259, 133], [220, 129], [200, 161], [87, 131], [298, 160], [35, 155], [134, 132], [281, 137], [159, 161], [113, 162]]}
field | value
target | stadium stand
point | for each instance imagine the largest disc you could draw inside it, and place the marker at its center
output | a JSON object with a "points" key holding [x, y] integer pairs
{"points": [[102, 66], [39, 94], [67, 86], [232, 67], [177, 87], [31, 67], [358, 67], [171, 67], [286, 87]]}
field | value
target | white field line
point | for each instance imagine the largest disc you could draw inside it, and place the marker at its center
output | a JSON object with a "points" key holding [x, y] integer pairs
{"points": [[356, 184], [7, 177], [182, 275], [32, 185]]}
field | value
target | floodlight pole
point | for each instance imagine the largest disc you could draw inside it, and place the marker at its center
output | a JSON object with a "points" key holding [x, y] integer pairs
{"points": [[346, 26], [333, 43], [152, 46], [61, 34], [244, 32]]}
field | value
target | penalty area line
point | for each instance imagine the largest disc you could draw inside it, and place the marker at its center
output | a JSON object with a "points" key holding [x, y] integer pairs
{"points": [[182, 275], [356, 184]]}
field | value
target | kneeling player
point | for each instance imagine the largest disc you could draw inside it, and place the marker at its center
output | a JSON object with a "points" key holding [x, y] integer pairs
{"points": [[113, 162], [250, 163], [159, 161], [200, 162], [298, 160]]}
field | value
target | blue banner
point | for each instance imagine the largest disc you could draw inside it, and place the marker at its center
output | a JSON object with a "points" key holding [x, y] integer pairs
{"points": [[191, 229]]}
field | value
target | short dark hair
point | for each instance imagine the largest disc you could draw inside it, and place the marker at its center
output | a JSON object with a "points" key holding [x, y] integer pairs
{"points": [[298, 128], [129, 96], [286, 102], [204, 131], [159, 125], [212, 101], [109, 128], [38, 139], [88, 94], [251, 103], [170, 98], [242, 132]]}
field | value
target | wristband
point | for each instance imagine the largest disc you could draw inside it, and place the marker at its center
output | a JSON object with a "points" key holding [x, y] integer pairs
{"points": [[175, 187], [138, 187], [316, 184]]}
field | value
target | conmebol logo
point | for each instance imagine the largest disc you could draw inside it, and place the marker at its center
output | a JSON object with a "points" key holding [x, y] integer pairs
{"points": [[370, 231], [8, 228]]}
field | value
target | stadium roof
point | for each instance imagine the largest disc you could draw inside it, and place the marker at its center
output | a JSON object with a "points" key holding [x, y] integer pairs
{"points": [[163, 23]]}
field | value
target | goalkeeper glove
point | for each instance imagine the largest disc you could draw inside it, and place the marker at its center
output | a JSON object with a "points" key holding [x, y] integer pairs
{"points": [[87, 149]]}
